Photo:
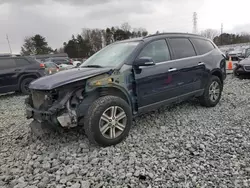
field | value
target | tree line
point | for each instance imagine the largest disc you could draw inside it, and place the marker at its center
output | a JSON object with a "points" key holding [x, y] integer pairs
{"points": [[89, 41], [84, 44]]}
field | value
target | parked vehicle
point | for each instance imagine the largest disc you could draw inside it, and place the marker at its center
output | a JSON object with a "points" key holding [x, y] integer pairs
{"points": [[51, 67], [238, 53], [61, 61], [242, 68], [77, 63], [125, 79], [16, 73]]}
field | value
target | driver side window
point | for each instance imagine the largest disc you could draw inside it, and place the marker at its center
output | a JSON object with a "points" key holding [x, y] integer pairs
{"points": [[157, 50]]}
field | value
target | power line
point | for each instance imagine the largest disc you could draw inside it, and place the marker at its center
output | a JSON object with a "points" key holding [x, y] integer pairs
{"points": [[9, 43]]}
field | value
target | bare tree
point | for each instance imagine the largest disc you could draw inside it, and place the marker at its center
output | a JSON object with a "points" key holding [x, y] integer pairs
{"points": [[210, 33], [125, 26], [94, 37]]}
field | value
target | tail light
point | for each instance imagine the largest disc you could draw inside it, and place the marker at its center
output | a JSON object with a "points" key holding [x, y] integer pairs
{"points": [[42, 65], [57, 69], [71, 61]]}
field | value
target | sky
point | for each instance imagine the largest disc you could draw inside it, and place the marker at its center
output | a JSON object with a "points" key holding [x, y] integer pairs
{"points": [[57, 20]]}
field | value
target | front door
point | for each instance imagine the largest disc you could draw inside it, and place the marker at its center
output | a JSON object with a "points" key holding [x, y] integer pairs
{"points": [[158, 82]]}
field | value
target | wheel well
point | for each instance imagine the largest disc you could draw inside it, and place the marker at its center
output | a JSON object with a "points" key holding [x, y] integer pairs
{"points": [[219, 75], [24, 77], [114, 92], [100, 92]]}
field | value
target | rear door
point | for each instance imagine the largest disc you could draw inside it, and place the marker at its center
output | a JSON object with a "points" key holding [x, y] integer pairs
{"points": [[205, 53], [8, 72], [190, 66]]}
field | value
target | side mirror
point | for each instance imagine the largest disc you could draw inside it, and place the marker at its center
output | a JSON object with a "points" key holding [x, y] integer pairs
{"points": [[144, 61]]}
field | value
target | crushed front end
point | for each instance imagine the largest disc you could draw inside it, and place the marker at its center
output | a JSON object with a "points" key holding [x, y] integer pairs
{"points": [[54, 107]]}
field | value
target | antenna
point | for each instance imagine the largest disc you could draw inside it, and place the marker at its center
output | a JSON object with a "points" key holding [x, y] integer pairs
{"points": [[9, 43], [195, 30]]}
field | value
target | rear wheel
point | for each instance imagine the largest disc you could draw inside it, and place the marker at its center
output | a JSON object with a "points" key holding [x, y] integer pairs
{"points": [[24, 86], [212, 93], [108, 121]]}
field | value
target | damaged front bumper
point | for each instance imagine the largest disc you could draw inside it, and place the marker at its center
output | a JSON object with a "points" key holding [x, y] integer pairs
{"points": [[59, 113]]}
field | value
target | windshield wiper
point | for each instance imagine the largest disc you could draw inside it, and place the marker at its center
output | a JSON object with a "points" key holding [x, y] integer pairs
{"points": [[93, 66]]}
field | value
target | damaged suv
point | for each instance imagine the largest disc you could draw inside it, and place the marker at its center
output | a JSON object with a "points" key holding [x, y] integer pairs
{"points": [[125, 79]]}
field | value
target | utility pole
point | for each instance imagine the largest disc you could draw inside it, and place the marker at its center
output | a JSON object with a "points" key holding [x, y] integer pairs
{"points": [[221, 31], [9, 44], [195, 23]]}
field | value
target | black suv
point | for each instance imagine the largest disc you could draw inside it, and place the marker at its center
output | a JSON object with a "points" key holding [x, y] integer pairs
{"points": [[16, 73], [125, 79]]}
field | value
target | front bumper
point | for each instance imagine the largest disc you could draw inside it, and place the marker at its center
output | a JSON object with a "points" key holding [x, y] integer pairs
{"points": [[39, 115], [241, 70], [58, 114]]}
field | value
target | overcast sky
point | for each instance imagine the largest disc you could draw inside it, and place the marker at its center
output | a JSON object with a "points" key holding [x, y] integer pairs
{"points": [[57, 20]]}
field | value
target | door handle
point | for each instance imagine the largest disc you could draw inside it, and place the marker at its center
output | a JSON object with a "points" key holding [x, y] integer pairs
{"points": [[18, 70], [172, 69], [201, 63]]}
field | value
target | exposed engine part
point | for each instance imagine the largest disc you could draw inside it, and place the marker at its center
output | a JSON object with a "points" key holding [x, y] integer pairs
{"points": [[68, 119], [79, 94]]}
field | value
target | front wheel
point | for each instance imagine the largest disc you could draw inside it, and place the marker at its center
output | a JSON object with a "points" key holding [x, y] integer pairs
{"points": [[212, 93], [108, 121]]}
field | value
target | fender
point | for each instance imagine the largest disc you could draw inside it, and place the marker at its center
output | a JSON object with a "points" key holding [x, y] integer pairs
{"points": [[95, 94]]}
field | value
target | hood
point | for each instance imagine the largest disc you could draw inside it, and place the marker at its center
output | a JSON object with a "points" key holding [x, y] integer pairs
{"points": [[245, 61], [65, 77]]}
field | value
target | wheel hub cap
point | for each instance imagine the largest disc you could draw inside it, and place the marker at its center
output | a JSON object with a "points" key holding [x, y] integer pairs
{"points": [[113, 122], [214, 91]]}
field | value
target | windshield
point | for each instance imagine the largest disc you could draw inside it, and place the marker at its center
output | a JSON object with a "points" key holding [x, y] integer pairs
{"points": [[111, 55]]}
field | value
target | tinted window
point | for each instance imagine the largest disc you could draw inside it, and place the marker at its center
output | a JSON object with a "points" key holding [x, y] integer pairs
{"points": [[157, 50], [21, 62], [181, 47], [7, 63], [202, 46]]}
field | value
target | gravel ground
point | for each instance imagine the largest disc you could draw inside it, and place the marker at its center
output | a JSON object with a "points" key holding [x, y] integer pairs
{"points": [[185, 145]]}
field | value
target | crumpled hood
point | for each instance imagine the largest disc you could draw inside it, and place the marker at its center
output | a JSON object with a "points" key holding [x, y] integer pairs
{"points": [[245, 61], [65, 77]]}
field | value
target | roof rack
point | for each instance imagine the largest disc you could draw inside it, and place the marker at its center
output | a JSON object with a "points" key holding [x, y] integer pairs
{"points": [[159, 34]]}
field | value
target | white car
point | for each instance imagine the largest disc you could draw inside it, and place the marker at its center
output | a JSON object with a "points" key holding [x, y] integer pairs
{"points": [[76, 63]]}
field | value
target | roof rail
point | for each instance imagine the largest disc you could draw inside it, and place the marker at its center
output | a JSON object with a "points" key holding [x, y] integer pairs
{"points": [[159, 34]]}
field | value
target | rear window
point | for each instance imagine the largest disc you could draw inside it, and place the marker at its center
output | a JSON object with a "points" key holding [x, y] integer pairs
{"points": [[50, 65], [202, 46], [7, 63], [182, 48]]}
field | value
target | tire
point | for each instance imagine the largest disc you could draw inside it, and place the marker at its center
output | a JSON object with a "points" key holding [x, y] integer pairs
{"points": [[24, 85], [205, 99], [92, 120]]}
